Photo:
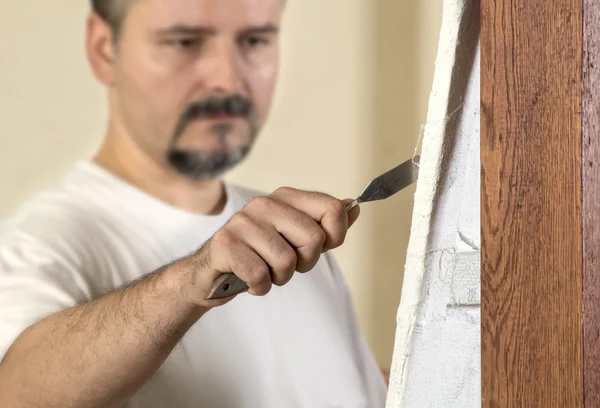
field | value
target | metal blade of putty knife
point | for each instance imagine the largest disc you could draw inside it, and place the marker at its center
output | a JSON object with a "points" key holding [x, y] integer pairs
{"points": [[389, 183], [380, 188]]}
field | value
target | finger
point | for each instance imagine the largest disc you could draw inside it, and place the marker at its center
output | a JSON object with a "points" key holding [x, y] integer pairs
{"points": [[325, 209], [265, 240], [228, 253], [302, 233]]}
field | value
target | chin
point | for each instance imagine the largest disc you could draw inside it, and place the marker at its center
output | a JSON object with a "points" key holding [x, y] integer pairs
{"points": [[204, 165]]}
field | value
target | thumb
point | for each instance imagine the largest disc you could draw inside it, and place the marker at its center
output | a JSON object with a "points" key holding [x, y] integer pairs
{"points": [[353, 213]]}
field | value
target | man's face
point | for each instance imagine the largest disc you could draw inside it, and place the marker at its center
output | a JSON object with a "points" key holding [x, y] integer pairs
{"points": [[194, 79]]}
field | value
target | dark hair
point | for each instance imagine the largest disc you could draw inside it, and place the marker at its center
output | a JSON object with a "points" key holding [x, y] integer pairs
{"points": [[111, 11]]}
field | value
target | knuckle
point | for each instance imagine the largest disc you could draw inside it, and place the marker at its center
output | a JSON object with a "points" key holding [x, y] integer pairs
{"points": [[288, 259], [259, 280], [310, 256], [224, 239], [335, 206], [284, 266], [262, 203], [282, 191], [318, 237], [258, 274], [242, 220]]}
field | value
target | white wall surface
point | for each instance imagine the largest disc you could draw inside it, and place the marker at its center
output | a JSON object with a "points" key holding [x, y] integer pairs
{"points": [[444, 368], [352, 97], [436, 360]]}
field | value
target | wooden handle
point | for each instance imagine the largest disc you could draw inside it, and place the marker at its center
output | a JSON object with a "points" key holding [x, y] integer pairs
{"points": [[225, 286]]}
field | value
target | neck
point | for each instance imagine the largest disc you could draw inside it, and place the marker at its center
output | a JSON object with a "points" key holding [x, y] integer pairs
{"points": [[120, 155]]}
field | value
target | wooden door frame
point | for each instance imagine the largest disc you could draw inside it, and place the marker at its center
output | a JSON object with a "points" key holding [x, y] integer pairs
{"points": [[540, 203]]}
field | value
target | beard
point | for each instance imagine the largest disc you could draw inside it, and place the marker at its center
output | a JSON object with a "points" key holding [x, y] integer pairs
{"points": [[199, 165]]}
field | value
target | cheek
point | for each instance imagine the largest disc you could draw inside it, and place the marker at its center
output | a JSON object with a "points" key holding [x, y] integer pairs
{"points": [[156, 87], [138, 98], [263, 83], [154, 103]]}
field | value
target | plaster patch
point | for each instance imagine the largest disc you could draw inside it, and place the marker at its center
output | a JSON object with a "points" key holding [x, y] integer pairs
{"points": [[465, 283]]}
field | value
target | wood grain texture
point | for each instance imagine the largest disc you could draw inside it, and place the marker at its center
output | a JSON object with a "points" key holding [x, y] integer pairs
{"points": [[531, 198], [591, 201]]}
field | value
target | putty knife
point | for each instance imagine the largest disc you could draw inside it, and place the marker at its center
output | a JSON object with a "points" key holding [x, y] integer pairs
{"points": [[379, 188]]}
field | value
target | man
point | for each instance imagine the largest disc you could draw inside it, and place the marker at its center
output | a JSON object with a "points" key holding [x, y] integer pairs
{"points": [[103, 277]]}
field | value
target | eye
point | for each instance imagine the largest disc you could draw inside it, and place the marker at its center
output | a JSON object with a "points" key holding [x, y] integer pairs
{"points": [[184, 43], [255, 42]]}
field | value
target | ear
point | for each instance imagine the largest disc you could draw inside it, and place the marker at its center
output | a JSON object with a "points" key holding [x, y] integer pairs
{"points": [[100, 49]]}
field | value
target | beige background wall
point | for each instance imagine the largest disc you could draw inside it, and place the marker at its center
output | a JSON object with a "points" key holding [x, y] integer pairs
{"points": [[352, 97]]}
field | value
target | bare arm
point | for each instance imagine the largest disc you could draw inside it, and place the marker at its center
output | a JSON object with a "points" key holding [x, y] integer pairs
{"points": [[100, 353]]}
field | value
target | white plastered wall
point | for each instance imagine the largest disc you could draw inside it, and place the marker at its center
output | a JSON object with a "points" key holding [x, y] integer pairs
{"points": [[436, 361]]}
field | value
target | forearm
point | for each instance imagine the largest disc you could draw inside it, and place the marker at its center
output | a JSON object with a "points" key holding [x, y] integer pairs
{"points": [[100, 353]]}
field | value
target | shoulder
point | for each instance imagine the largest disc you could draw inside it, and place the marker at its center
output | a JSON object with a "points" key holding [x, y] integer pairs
{"points": [[44, 254], [54, 220]]}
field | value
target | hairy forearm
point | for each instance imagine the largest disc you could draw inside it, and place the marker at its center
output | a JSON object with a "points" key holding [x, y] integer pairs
{"points": [[102, 352]]}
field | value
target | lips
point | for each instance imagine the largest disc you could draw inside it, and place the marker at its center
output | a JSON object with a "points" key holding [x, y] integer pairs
{"points": [[218, 117]]}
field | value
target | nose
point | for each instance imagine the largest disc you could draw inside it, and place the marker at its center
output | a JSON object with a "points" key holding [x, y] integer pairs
{"points": [[221, 69]]}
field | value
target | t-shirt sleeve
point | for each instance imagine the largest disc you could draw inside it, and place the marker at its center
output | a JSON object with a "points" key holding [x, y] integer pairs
{"points": [[36, 280], [373, 377]]}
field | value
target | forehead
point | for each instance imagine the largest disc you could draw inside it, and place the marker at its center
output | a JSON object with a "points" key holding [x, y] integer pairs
{"points": [[216, 14]]}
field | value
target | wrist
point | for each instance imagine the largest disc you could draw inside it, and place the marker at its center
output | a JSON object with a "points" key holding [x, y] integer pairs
{"points": [[177, 281]]}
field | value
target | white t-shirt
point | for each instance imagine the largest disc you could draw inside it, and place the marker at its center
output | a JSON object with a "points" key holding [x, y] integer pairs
{"points": [[297, 347]]}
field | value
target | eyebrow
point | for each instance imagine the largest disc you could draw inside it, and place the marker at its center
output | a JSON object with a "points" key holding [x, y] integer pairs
{"points": [[182, 29], [268, 28]]}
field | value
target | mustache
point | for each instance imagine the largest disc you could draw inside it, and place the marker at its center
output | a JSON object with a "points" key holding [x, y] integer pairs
{"points": [[233, 105]]}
